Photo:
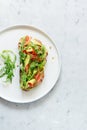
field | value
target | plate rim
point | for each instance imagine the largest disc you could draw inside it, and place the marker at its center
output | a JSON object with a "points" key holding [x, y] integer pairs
{"points": [[57, 50]]}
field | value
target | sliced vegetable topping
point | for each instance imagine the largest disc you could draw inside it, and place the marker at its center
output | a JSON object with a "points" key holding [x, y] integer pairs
{"points": [[32, 62]]}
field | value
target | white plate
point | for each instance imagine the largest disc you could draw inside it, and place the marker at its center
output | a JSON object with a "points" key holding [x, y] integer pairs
{"points": [[9, 40]]}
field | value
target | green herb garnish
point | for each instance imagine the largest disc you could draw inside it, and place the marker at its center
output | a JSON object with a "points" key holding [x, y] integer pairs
{"points": [[9, 59]]}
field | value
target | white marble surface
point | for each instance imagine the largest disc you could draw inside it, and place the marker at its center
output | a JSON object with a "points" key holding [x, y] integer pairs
{"points": [[65, 107]]}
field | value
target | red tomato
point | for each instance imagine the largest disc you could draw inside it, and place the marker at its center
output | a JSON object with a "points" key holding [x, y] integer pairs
{"points": [[24, 51], [33, 52], [27, 38], [39, 77], [31, 85], [27, 68]]}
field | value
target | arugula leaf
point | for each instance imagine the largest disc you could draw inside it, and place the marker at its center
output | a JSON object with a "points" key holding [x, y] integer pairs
{"points": [[9, 65]]}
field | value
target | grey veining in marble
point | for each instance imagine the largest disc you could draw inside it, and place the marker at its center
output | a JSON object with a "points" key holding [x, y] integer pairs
{"points": [[65, 107]]}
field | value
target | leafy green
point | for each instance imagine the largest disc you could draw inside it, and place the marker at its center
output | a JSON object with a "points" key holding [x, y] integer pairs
{"points": [[22, 56], [33, 65], [9, 65], [24, 78]]}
